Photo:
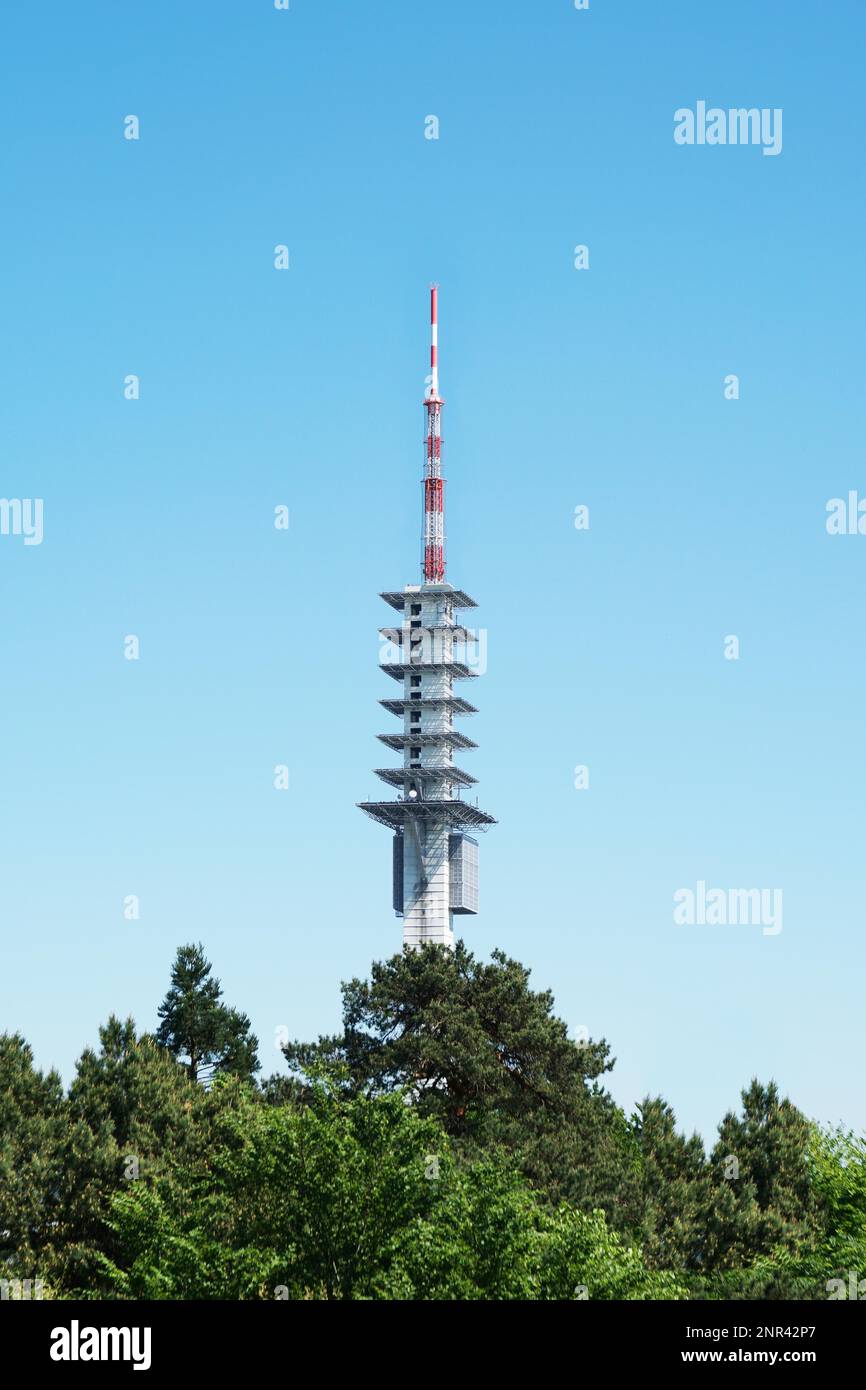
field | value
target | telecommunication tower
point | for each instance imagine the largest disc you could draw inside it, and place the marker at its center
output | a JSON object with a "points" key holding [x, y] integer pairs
{"points": [[435, 853]]}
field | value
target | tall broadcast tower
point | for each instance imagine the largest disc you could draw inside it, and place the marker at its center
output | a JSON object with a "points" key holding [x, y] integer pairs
{"points": [[435, 855]]}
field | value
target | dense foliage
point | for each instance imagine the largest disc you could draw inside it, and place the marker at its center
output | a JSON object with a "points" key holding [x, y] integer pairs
{"points": [[452, 1142]]}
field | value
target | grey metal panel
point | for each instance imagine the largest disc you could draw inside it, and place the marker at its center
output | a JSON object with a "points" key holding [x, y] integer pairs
{"points": [[463, 862], [397, 873]]}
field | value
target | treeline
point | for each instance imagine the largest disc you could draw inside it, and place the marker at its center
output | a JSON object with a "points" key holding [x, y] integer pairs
{"points": [[452, 1142]]}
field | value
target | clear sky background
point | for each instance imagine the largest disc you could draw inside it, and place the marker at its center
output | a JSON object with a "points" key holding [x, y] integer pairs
{"points": [[601, 387]]}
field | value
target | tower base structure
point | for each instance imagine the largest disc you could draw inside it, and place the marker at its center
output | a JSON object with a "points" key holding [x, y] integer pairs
{"points": [[435, 852]]}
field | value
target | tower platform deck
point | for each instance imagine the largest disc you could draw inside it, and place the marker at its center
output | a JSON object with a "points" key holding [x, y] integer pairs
{"points": [[414, 739], [458, 670], [452, 702], [420, 772], [395, 814], [398, 598]]}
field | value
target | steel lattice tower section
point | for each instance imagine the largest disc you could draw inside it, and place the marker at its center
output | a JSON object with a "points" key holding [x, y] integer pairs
{"points": [[435, 863]]}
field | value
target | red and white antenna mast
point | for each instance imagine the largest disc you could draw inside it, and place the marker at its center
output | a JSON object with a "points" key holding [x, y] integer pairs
{"points": [[434, 483]]}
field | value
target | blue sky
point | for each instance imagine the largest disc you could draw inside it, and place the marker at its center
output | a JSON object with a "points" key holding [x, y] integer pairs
{"points": [[601, 387]]}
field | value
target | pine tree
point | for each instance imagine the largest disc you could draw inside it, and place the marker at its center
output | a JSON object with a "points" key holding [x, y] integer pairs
{"points": [[675, 1189], [197, 1028], [765, 1208], [32, 1124], [131, 1115], [484, 1054]]}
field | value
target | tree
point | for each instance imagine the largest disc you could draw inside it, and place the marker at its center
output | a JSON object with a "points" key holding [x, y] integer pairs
{"points": [[676, 1189], [836, 1265], [301, 1201], [766, 1212], [484, 1054], [356, 1196], [762, 1157], [132, 1114], [198, 1028], [582, 1258], [32, 1124]]}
